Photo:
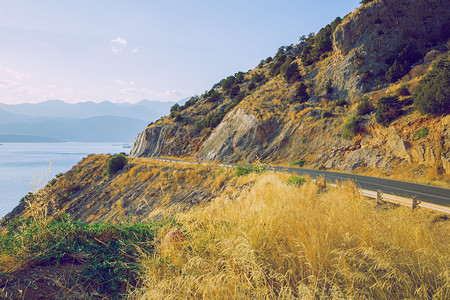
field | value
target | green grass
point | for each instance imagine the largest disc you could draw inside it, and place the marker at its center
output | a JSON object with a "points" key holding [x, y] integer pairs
{"points": [[296, 180], [299, 163], [423, 132], [244, 170], [109, 252]]}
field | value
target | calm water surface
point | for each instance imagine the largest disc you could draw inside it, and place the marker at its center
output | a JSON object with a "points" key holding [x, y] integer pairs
{"points": [[21, 163]]}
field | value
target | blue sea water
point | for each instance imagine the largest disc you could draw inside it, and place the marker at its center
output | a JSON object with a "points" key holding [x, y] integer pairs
{"points": [[22, 163]]}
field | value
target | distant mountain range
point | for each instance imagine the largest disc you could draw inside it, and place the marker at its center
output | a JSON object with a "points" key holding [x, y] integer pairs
{"points": [[56, 120]]}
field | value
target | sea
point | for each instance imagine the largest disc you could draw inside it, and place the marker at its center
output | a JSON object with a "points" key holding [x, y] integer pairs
{"points": [[26, 167]]}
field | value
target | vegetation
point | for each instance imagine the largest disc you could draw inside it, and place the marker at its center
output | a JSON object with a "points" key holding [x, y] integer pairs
{"points": [[296, 180], [364, 107], [423, 132], [340, 102], [300, 162], [290, 71], [109, 253], [326, 114], [388, 108], [433, 93], [115, 164], [352, 127], [244, 170], [401, 62], [300, 95], [309, 243]]}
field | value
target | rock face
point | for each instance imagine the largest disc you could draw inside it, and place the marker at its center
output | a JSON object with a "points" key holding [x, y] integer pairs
{"points": [[364, 41]]}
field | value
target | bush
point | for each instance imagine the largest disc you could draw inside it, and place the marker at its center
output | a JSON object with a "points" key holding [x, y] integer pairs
{"points": [[388, 108], [251, 86], [326, 114], [433, 93], [296, 180], [234, 91], [115, 164], [228, 83], [175, 108], [328, 88], [290, 71], [351, 127], [364, 107], [401, 61], [257, 78], [423, 132], [396, 71], [300, 94], [340, 102], [215, 96], [300, 162], [244, 170]]}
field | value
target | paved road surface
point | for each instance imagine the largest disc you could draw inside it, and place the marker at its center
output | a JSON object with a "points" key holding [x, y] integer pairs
{"points": [[425, 193]]}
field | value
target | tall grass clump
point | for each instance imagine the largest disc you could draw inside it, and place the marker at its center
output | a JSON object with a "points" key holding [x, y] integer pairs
{"points": [[279, 241]]}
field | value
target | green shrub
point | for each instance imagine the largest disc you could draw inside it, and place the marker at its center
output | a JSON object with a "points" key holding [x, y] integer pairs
{"points": [[352, 127], [340, 102], [289, 69], [251, 86], [300, 95], [326, 114], [257, 78], [215, 96], [234, 91], [396, 71], [244, 170], [364, 107], [175, 108], [296, 180], [400, 63], [328, 88], [115, 164], [239, 77], [388, 108], [433, 93], [228, 83], [423, 132], [299, 163]]}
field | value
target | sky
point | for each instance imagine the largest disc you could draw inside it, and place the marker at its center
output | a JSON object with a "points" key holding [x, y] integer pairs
{"points": [[130, 50]]}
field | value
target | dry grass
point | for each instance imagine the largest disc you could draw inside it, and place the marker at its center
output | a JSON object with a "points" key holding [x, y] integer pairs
{"points": [[275, 241]]}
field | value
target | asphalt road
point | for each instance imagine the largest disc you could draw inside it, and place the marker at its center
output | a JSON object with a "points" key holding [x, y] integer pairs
{"points": [[425, 193]]}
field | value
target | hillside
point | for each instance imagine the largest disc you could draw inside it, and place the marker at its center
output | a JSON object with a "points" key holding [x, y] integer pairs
{"points": [[294, 106]]}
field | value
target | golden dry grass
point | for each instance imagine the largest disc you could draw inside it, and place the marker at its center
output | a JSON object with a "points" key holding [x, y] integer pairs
{"points": [[275, 241]]}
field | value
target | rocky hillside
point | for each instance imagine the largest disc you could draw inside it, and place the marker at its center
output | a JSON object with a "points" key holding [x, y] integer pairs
{"points": [[344, 98], [144, 189]]}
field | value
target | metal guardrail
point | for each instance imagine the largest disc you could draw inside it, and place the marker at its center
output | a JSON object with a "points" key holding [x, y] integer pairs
{"points": [[409, 202]]}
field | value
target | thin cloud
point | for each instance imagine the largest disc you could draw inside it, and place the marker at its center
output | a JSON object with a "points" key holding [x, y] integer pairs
{"points": [[135, 50], [13, 73], [120, 40], [116, 50]]}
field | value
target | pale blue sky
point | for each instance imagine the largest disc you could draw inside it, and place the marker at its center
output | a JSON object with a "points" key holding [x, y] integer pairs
{"points": [[96, 50]]}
